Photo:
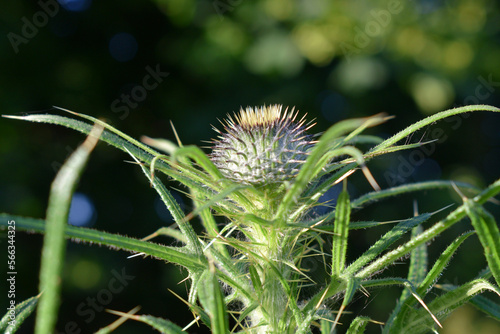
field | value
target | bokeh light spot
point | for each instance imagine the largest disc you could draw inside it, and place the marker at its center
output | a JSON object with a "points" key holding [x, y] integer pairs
{"points": [[431, 94], [279, 9], [471, 16], [85, 274], [82, 211], [227, 35], [123, 47], [466, 174], [274, 53], [180, 12], [314, 44], [410, 41], [457, 55], [430, 55], [359, 75]]}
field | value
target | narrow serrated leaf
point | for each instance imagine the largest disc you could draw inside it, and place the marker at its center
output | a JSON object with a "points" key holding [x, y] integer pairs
{"points": [[53, 250], [487, 306], [13, 319], [176, 255], [418, 264], [452, 218], [488, 233], [317, 158], [176, 211], [416, 273], [441, 263], [326, 326], [358, 325], [405, 304], [341, 231], [256, 283], [351, 288], [418, 321], [212, 300], [385, 241], [426, 121], [112, 137], [163, 325], [375, 196]]}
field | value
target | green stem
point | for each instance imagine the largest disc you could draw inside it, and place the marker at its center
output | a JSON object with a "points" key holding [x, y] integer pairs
{"points": [[272, 269]]}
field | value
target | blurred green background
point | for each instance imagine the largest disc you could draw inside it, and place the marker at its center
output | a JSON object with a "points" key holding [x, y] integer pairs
{"points": [[141, 64]]}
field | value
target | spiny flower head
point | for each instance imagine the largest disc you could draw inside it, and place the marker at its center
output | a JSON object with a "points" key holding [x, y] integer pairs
{"points": [[262, 145]]}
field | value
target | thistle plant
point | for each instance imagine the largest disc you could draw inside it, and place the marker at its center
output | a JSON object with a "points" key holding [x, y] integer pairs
{"points": [[263, 178], [265, 149]]}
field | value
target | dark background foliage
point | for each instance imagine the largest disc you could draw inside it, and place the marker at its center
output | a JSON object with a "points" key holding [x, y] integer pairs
{"points": [[330, 59]]}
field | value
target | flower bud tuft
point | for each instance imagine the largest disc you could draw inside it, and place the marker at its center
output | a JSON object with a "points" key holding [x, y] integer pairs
{"points": [[262, 145]]}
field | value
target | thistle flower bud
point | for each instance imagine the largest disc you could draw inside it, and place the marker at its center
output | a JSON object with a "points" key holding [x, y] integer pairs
{"points": [[262, 145]]}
